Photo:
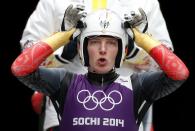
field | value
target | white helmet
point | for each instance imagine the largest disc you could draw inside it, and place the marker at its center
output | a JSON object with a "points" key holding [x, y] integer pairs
{"points": [[103, 22]]}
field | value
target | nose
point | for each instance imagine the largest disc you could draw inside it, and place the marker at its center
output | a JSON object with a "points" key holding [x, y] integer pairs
{"points": [[103, 48]]}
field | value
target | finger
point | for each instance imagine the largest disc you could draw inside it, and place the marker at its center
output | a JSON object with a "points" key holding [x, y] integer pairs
{"points": [[143, 14], [74, 11], [80, 7], [69, 8], [84, 14], [81, 15], [132, 13]]}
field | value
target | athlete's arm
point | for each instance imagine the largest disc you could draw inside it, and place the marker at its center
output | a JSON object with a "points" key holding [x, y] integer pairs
{"points": [[166, 59], [30, 59], [151, 86], [25, 67]]}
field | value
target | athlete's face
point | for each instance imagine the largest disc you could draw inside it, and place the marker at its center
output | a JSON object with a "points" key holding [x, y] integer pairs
{"points": [[102, 52]]}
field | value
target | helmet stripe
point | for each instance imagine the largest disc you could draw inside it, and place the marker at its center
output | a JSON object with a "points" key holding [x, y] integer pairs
{"points": [[99, 4]]}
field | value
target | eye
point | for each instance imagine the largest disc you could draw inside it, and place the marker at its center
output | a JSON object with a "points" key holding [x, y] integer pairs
{"points": [[112, 42], [94, 41]]}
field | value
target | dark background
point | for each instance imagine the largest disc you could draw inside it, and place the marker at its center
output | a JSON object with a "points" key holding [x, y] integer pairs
{"points": [[172, 113]]}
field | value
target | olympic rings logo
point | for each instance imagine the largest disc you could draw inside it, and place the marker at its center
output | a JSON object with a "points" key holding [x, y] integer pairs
{"points": [[106, 102]]}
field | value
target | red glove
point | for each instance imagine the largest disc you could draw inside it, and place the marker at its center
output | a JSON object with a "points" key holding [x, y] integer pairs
{"points": [[37, 101]]}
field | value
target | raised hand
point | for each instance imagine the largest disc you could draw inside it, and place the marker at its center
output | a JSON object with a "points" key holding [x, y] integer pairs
{"points": [[72, 16]]}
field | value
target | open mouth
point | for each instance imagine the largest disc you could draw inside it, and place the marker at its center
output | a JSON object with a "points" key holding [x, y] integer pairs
{"points": [[102, 61]]}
